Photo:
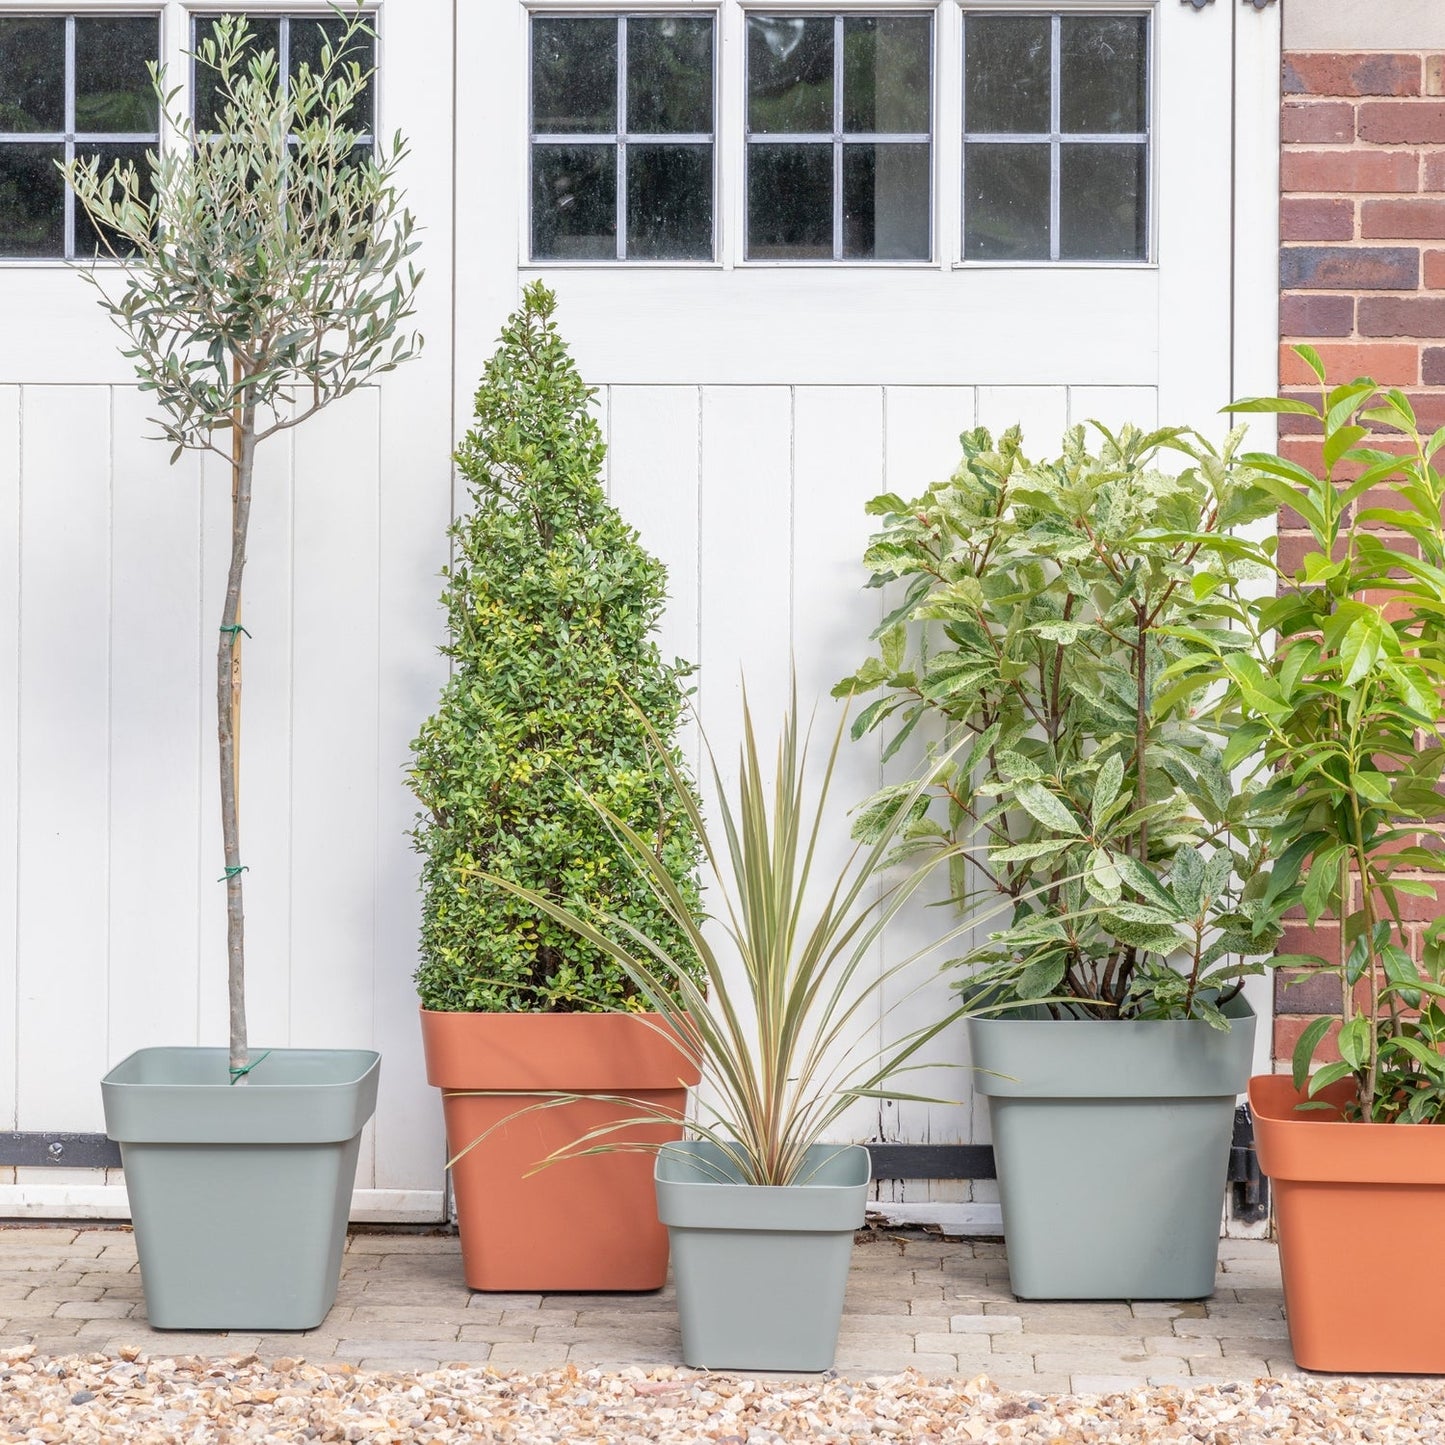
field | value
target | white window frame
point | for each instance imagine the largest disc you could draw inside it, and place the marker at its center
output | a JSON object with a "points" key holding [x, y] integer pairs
{"points": [[730, 110], [1148, 9], [69, 138], [176, 29], [285, 15], [622, 13], [838, 138]]}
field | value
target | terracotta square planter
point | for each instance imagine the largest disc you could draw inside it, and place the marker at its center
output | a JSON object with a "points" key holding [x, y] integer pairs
{"points": [[586, 1224], [1359, 1209]]}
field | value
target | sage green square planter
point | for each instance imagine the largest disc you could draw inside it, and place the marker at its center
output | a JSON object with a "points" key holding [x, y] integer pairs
{"points": [[1111, 1140], [239, 1194], [761, 1270]]}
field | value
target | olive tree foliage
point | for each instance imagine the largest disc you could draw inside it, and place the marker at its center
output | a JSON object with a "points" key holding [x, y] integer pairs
{"points": [[555, 740], [267, 274]]}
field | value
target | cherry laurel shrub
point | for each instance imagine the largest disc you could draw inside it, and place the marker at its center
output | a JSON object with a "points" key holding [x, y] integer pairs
{"points": [[543, 726]]}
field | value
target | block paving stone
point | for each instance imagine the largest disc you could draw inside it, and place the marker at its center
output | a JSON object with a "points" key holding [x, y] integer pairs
{"points": [[940, 1306]]}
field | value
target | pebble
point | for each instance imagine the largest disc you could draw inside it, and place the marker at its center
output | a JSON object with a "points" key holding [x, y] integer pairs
{"points": [[139, 1399]]}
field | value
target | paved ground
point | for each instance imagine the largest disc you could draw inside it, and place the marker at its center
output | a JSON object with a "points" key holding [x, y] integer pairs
{"points": [[942, 1307]]}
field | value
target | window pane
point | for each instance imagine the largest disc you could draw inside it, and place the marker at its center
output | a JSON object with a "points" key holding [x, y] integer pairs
{"points": [[886, 75], [265, 35], [574, 202], [32, 75], [1104, 59], [113, 90], [1006, 74], [1006, 202], [669, 76], [885, 202], [790, 75], [309, 34], [574, 76], [669, 202], [1101, 203], [32, 200], [790, 202], [87, 242]]}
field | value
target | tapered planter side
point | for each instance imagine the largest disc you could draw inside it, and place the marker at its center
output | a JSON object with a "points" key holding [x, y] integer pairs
{"points": [[240, 1193], [1358, 1207], [582, 1224], [761, 1270], [1112, 1141]]}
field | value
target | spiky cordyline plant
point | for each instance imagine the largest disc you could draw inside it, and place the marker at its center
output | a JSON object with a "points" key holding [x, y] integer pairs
{"points": [[267, 275], [778, 1023]]}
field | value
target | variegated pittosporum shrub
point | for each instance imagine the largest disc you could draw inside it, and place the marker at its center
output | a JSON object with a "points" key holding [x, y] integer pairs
{"points": [[552, 604], [1034, 608]]}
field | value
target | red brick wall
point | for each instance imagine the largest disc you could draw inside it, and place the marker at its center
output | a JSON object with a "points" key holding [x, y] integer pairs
{"points": [[1362, 279]]}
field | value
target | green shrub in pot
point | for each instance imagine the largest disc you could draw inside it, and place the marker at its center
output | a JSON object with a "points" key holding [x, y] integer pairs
{"points": [[556, 677], [1037, 606], [1340, 697], [552, 606]]}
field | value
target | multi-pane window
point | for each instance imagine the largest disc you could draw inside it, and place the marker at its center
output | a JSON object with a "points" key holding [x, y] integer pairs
{"points": [[70, 85], [1056, 137], [294, 40], [839, 137], [622, 137]]}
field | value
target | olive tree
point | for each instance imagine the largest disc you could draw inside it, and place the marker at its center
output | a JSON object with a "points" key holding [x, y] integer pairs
{"points": [[267, 273]]}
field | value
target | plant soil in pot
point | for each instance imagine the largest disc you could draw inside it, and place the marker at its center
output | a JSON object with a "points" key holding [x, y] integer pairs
{"points": [[1358, 1208], [240, 1195], [586, 1222], [761, 1271], [1112, 1145]]}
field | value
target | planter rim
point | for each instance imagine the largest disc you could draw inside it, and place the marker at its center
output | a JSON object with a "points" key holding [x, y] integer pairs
{"points": [[1112, 1058], [198, 1104], [544, 1052], [834, 1205], [1317, 1147], [124, 1075], [1238, 1008]]}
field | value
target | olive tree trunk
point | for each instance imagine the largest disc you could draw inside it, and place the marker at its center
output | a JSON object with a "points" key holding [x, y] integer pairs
{"points": [[228, 726]]}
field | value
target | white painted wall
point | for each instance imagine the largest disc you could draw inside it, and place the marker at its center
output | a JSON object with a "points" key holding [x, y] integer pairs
{"points": [[751, 410]]}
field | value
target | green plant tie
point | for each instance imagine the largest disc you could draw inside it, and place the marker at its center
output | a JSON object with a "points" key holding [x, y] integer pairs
{"points": [[233, 628], [231, 873], [246, 1068]]}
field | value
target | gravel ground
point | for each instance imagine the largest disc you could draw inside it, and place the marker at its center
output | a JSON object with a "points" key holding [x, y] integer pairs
{"points": [[161, 1400]]}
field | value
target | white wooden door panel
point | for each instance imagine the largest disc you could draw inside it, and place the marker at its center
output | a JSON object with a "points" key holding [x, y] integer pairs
{"points": [[1042, 413], [923, 427], [158, 753], [62, 933], [838, 455], [876, 325], [746, 594], [653, 472], [1113, 406], [1194, 182], [9, 743]]}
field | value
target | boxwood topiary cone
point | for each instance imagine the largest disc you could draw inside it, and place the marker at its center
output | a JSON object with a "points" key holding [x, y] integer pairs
{"points": [[552, 603]]}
